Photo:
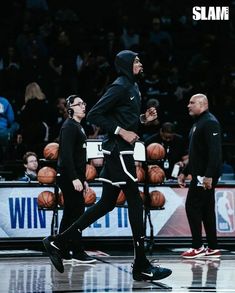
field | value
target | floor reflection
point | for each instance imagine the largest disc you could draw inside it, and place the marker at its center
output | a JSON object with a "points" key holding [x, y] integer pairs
{"points": [[204, 273], [112, 274], [25, 276]]}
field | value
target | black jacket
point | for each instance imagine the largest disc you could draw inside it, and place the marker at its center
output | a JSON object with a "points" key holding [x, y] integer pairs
{"points": [[205, 154], [72, 151], [120, 105]]}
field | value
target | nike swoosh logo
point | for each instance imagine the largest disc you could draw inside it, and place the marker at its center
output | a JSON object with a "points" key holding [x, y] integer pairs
{"points": [[149, 275], [131, 98], [215, 133], [53, 244]]}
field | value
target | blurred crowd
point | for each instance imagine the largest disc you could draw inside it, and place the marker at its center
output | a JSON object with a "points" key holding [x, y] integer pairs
{"points": [[50, 49]]}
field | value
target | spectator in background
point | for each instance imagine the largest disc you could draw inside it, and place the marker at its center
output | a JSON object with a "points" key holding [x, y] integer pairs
{"points": [[35, 58], [8, 126], [36, 10], [160, 39], [11, 75], [34, 129], [158, 35], [227, 167], [59, 116], [37, 5], [112, 45], [63, 64], [30, 161], [130, 38], [174, 145], [149, 128]]}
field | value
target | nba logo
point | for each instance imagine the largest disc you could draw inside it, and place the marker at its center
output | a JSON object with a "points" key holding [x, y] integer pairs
{"points": [[225, 220]]}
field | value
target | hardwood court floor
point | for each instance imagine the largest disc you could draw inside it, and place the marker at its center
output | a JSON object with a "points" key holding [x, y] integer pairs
{"points": [[34, 274]]}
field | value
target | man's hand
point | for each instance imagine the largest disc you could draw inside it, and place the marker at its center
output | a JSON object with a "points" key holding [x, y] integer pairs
{"points": [[181, 180], [180, 163], [77, 184], [207, 183], [150, 114], [128, 136]]}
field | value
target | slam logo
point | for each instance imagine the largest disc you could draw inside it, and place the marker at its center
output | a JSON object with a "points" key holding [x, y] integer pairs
{"points": [[211, 13]]}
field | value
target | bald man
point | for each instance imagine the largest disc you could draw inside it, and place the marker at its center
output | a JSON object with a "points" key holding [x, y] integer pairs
{"points": [[205, 161]]}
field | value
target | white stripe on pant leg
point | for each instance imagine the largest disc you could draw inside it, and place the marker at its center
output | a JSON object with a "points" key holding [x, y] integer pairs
{"points": [[125, 169], [109, 181]]}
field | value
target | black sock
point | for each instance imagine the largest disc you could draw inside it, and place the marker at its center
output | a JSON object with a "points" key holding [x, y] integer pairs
{"points": [[67, 238], [140, 257]]}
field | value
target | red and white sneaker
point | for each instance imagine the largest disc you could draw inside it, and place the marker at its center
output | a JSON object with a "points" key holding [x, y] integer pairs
{"points": [[212, 253], [193, 252]]}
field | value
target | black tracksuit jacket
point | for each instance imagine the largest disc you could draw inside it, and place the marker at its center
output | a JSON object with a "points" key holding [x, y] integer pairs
{"points": [[205, 154], [72, 151]]}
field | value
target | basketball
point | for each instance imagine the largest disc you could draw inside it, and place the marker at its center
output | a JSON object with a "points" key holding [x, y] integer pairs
{"points": [[46, 175], [89, 197], [91, 172], [50, 151], [140, 173], [155, 151], [121, 198], [60, 199], [157, 199], [155, 174], [46, 199], [97, 162]]}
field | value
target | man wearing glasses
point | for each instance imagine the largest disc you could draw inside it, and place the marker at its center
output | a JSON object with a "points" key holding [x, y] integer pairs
{"points": [[71, 168]]}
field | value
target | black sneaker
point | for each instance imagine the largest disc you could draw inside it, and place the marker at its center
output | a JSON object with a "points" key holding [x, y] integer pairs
{"points": [[54, 253], [83, 258], [150, 273], [67, 258], [66, 255]]}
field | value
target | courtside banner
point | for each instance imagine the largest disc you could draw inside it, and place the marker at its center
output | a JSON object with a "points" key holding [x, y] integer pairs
{"points": [[20, 216], [19, 213]]}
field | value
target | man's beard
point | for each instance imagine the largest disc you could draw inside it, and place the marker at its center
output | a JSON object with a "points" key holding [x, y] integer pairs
{"points": [[140, 76]]}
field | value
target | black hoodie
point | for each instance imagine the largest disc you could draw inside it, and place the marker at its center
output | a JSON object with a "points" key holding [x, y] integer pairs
{"points": [[120, 105]]}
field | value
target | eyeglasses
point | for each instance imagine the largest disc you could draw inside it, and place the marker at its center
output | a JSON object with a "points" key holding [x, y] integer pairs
{"points": [[79, 104]]}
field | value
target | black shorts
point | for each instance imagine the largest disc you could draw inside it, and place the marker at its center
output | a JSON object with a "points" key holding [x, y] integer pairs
{"points": [[119, 168]]}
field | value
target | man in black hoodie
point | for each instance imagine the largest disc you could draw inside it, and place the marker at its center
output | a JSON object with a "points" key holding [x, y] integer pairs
{"points": [[205, 161], [118, 115]]}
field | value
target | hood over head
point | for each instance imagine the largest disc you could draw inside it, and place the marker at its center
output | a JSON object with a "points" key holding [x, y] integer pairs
{"points": [[124, 63]]}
